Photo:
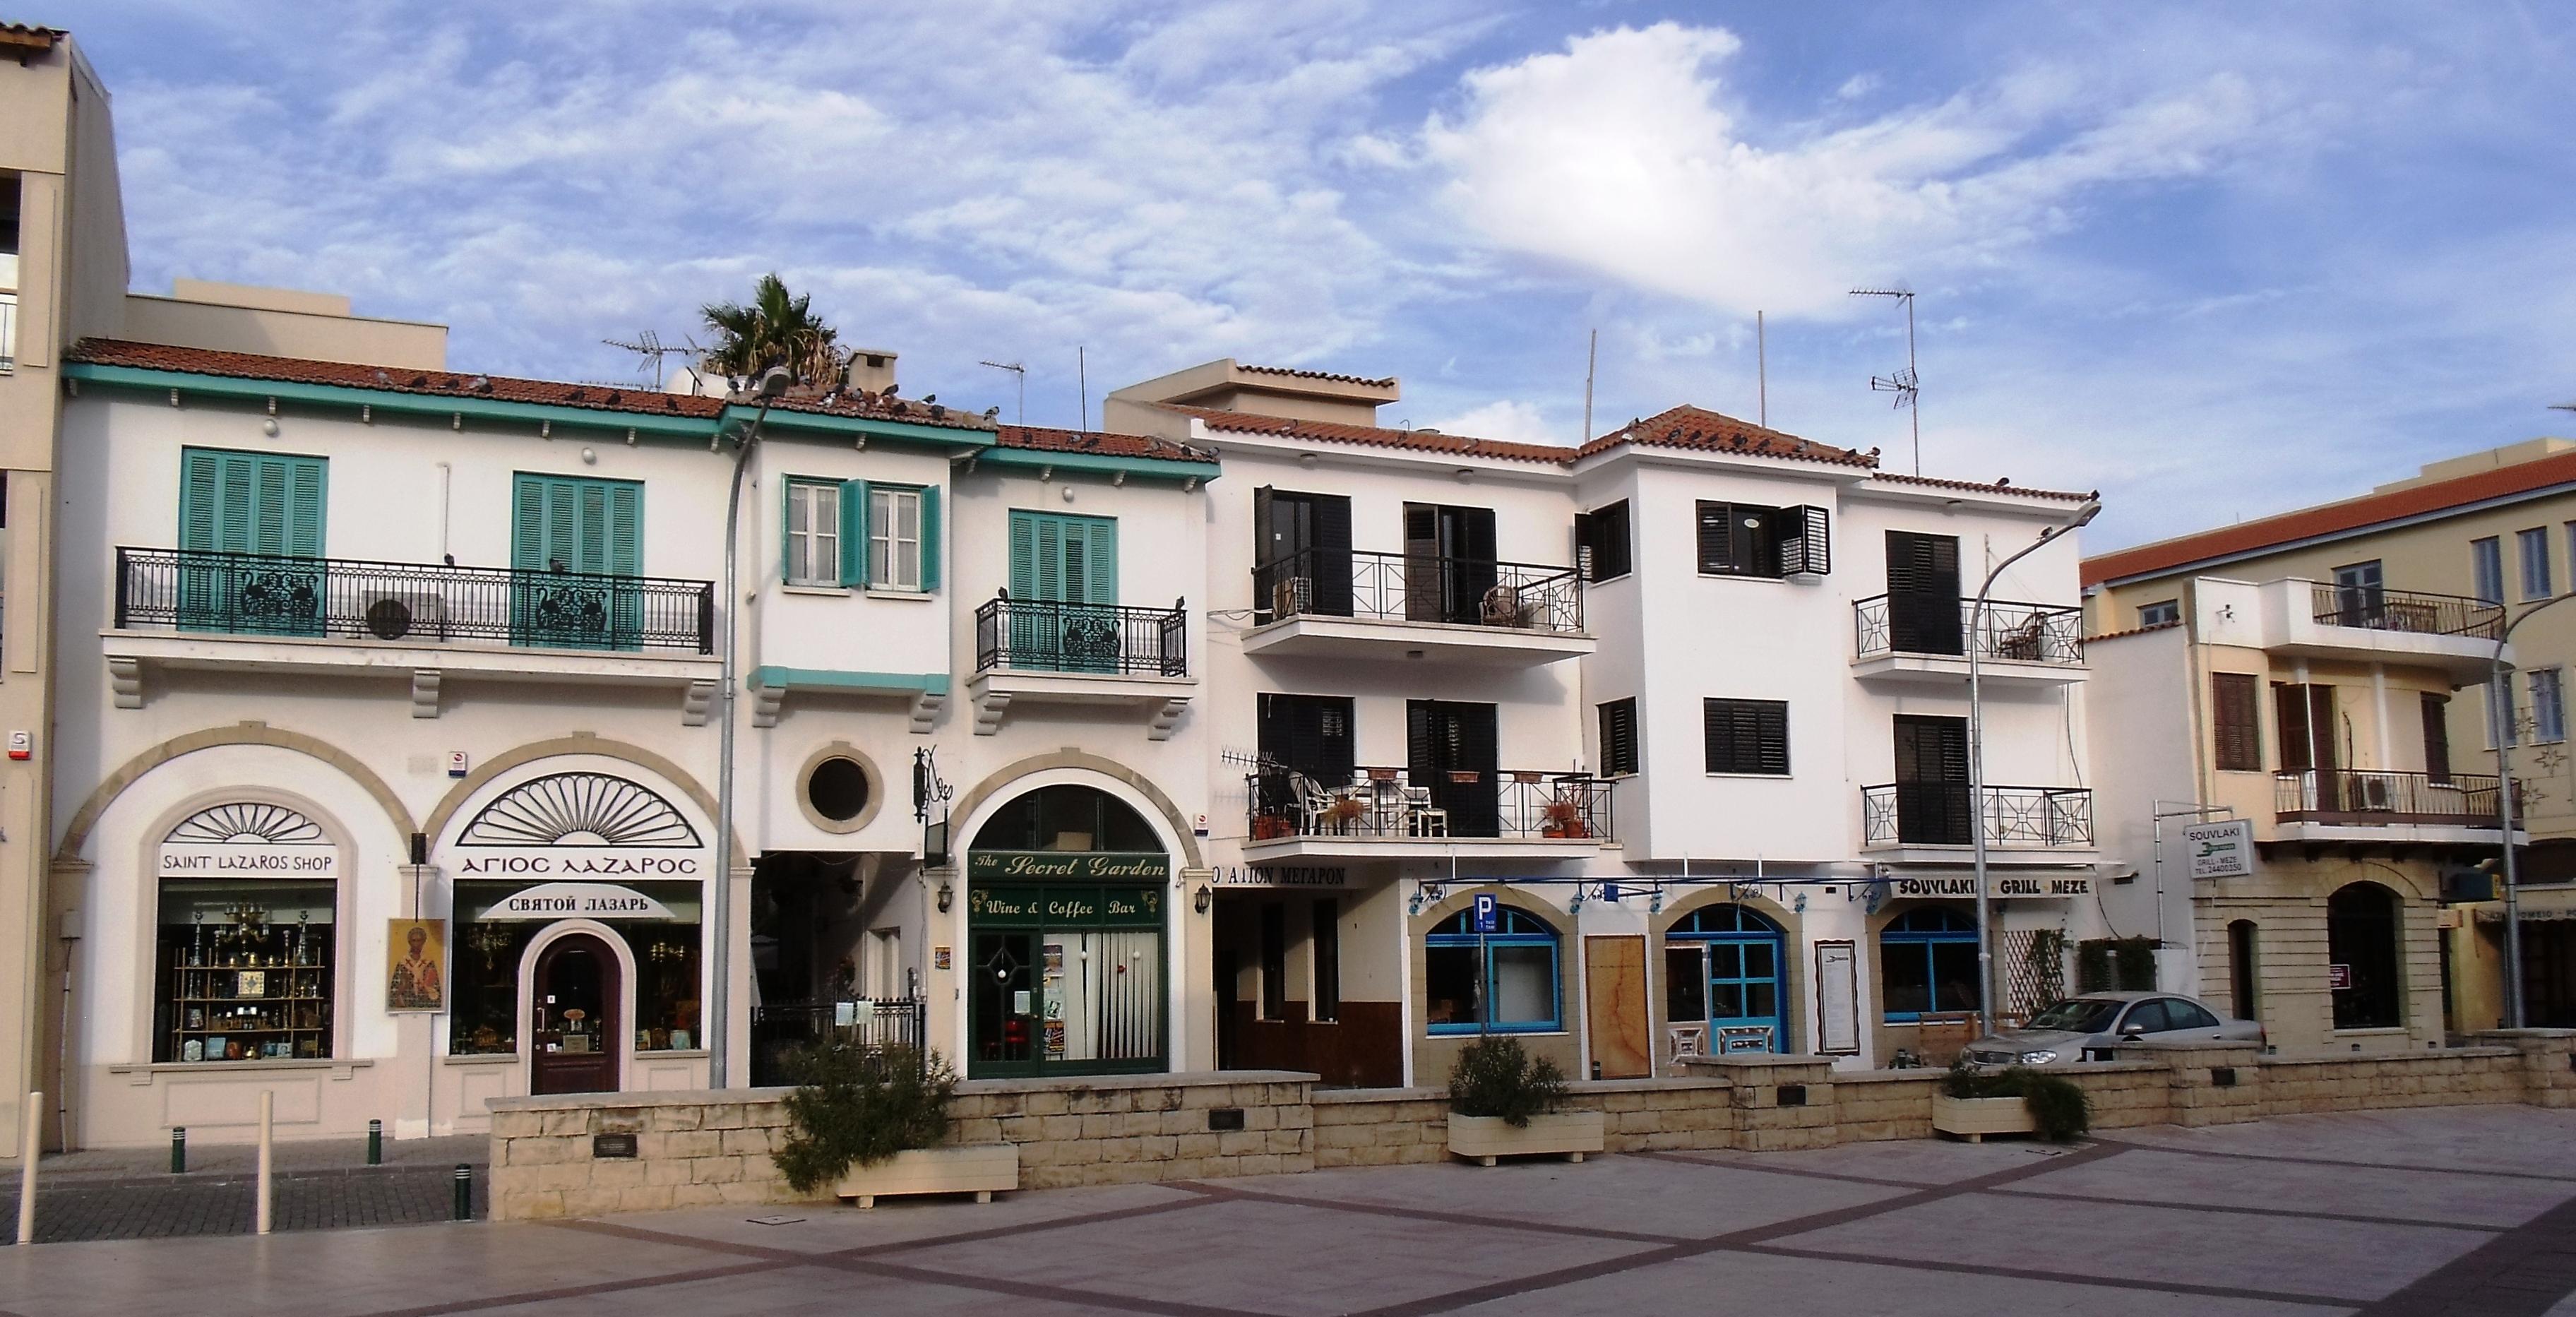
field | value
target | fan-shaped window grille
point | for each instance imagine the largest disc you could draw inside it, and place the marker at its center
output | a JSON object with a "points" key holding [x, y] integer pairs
{"points": [[579, 809], [249, 823]]}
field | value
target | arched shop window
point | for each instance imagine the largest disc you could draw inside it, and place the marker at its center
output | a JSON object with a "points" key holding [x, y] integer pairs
{"points": [[249, 900], [1722, 967], [1927, 964], [2361, 934], [1512, 969], [1067, 818]]}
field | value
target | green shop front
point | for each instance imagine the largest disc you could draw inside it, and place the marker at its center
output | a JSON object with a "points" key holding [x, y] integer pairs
{"points": [[1065, 947]]}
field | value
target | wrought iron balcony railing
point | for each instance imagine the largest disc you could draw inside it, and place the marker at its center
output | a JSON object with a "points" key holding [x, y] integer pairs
{"points": [[2369, 796], [1940, 625], [1936, 814], [2381, 609], [409, 603], [1399, 803], [1029, 635], [1415, 587]]}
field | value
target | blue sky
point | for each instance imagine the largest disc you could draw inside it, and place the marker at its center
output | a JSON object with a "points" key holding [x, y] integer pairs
{"points": [[2215, 260]]}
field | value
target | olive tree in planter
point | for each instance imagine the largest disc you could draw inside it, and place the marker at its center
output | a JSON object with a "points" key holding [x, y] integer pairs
{"points": [[2016, 1101], [1502, 1103], [868, 1121]]}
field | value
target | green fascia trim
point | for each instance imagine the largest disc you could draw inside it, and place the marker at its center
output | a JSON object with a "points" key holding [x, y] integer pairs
{"points": [[932, 436], [833, 679], [420, 404], [1151, 468]]}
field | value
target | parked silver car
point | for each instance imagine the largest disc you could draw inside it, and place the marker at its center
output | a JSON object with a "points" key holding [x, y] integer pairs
{"points": [[2084, 1028]]}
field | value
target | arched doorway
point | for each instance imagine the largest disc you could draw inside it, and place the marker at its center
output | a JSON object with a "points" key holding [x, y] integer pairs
{"points": [[2361, 944], [1723, 968], [574, 994], [1065, 937]]}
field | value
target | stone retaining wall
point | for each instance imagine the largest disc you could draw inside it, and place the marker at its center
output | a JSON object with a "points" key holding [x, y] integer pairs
{"points": [[700, 1148]]}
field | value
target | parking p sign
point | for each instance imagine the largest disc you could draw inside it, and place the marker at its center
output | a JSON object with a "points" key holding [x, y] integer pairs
{"points": [[1487, 912]]}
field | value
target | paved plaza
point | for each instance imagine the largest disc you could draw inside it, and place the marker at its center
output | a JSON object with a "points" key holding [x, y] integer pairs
{"points": [[2454, 1211]]}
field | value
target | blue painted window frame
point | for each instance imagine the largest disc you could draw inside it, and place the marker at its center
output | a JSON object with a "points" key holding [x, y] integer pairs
{"points": [[1751, 926], [1898, 938], [1514, 928]]}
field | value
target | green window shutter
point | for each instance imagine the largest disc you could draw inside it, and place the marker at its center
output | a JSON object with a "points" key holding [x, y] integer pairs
{"points": [[528, 524], [1024, 555], [1051, 537], [238, 480], [930, 539], [625, 528], [268, 516], [200, 499], [591, 526], [854, 534], [786, 530], [306, 480], [262, 503], [1100, 574]]}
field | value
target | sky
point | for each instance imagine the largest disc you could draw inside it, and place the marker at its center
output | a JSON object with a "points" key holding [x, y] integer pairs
{"points": [[2214, 260]]}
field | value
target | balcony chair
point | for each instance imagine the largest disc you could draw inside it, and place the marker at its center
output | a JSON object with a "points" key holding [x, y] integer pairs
{"points": [[1421, 817]]}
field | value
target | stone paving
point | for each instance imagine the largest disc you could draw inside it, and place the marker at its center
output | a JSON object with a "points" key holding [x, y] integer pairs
{"points": [[129, 1193], [2432, 1211]]}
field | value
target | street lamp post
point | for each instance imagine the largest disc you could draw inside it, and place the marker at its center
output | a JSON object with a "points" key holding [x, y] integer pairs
{"points": [[767, 388], [2500, 713], [1977, 761]]}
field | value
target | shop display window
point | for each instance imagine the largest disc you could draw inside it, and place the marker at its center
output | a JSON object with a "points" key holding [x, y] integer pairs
{"points": [[1514, 968], [1927, 960], [484, 1008], [245, 971]]}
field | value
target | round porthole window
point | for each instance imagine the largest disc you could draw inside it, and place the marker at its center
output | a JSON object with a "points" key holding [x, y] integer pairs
{"points": [[837, 789]]}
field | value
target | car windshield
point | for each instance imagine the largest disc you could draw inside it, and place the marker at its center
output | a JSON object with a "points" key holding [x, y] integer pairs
{"points": [[2077, 1015]]}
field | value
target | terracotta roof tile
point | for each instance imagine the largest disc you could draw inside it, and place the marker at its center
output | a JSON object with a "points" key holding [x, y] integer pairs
{"points": [[28, 39], [886, 407], [1899, 478], [1386, 383], [1374, 436], [2134, 631], [2332, 518], [1101, 443], [1701, 430], [396, 379]]}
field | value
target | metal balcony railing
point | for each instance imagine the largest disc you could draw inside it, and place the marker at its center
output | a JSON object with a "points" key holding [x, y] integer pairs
{"points": [[1937, 624], [2380, 609], [1398, 803], [1029, 635], [1936, 814], [1413, 587], [409, 603], [2370, 796]]}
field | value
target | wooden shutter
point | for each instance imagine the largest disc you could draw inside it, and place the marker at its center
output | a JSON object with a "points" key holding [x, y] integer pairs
{"points": [[1329, 524], [1586, 559], [1808, 549], [851, 525], [1619, 737], [528, 524], [930, 539], [1100, 566], [239, 479], [200, 499], [1422, 575], [1746, 736], [624, 529], [1716, 555], [2236, 721], [305, 478], [2437, 736], [2290, 709], [1024, 555], [2322, 725]]}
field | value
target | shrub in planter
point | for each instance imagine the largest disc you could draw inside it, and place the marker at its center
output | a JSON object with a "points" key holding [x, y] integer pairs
{"points": [[2059, 1110], [1497, 1077], [857, 1105]]}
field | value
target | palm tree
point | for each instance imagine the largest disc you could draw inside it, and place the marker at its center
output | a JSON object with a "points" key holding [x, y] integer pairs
{"points": [[775, 329]]}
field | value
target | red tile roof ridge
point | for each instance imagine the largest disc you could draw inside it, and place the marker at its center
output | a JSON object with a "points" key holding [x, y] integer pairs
{"points": [[1999, 487], [2356, 513], [1376, 436], [393, 379], [1699, 429], [2134, 631], [1387, 382], [1105, 443]]}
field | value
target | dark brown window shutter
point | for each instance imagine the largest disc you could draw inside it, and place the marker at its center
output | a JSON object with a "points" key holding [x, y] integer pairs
{"points": [[1747, 736], [2235, 702], [2290, 710], [1618, 737], [2437, 737]]}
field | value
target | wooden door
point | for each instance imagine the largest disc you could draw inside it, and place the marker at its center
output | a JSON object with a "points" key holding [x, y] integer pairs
{"points": [[1923, 593], [574, 1018], [1451, 752], [1614, 995], [1932, 781]]}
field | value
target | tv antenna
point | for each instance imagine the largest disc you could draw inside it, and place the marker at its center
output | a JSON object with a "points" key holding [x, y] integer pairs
{"points": [[2563, 406], [1905, 384], [1020, 417], [650, 345]]}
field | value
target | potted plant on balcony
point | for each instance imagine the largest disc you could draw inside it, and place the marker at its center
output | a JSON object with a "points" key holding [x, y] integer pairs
{"points": [[1272, 825], [1503, 1103], [869, 1120], [1343, 812], [1563, 818]]}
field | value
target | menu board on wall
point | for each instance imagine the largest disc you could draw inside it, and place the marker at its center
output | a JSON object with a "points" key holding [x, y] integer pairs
{"points": [[1837, 998]]}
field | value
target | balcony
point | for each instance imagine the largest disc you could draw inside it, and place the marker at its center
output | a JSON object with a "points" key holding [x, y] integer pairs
{"points": [[1392, 812], [1926, 640], [1929, 820], [1040, 652], [2369, 804], [240, 611], [1346, 604], [2372, 624]]}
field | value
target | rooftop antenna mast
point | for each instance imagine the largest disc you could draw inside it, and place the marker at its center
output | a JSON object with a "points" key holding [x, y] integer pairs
{"points": [[1761, 372], [649, 345], [1023, 372], [1591, 363], [1904, 383]]}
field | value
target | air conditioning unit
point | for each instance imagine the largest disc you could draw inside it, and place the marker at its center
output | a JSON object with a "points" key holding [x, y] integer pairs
{"points": [[395, 614], [2378, 793]]}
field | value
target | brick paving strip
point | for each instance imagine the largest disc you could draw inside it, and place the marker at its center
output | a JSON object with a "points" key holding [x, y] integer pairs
{"points": [[85, 1208]]}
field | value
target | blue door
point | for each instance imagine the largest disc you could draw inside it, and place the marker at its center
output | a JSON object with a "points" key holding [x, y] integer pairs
{"points": [[1742, 957]]}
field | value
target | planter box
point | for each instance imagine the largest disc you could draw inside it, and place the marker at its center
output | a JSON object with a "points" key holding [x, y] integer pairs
{"points": [[1484, 1138], [1975, 1118], [980, 1170]]}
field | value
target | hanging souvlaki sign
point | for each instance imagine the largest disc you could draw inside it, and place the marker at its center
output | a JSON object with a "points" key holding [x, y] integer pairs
{"points": [[577, 901], [248, 840], [579, 826]]}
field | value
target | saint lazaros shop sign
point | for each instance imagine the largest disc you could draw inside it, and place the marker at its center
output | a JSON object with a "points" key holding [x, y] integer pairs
{"points": [[1068, 866], [1998, 887], [248, 840], [581, 826]]}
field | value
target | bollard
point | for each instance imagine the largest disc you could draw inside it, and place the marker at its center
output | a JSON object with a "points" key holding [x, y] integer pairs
{"points": [[267, 1150], [178, 1150], [464, 1192], [29, 1124], [375, 1143]]}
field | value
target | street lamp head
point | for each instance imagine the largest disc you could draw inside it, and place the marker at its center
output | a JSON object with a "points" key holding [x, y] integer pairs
{"points": [[773, 383], [2084, 515]]}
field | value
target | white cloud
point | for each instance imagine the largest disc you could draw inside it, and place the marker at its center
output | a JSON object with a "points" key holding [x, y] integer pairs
{"points": [[1856, 86], [1505, 419], [1620, 156]]}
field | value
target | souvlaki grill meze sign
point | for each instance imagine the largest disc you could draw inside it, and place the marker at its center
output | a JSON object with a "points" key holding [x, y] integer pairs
{"points": [[577, 901]]}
